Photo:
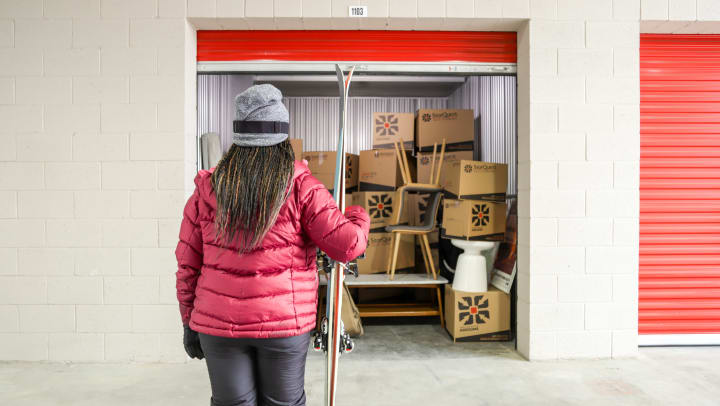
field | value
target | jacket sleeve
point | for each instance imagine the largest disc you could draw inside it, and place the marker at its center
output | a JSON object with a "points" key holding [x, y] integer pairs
{"points": [[342, 237], [189, 254]]}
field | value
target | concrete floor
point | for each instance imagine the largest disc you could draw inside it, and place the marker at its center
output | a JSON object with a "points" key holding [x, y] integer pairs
{"points": [[398, 365]]}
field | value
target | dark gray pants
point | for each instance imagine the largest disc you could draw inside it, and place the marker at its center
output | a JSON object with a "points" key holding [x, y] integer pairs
{"points": [[252, 371]]}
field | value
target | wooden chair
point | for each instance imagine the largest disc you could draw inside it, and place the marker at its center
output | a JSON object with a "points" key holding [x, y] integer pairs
{"points": [[435, 190]]}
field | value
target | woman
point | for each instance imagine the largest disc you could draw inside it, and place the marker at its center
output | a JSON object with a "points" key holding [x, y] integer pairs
{"points": [[246, 279]]}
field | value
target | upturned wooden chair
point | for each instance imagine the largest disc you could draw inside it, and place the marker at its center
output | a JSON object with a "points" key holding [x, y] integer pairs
{"points": [[422, 230]]}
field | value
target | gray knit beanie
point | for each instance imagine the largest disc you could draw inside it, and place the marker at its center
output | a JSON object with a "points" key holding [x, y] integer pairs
{"points": [[261, 119]]}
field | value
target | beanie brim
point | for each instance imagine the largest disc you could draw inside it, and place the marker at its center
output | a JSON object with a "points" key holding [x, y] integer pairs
{"points": [[258, 139]]}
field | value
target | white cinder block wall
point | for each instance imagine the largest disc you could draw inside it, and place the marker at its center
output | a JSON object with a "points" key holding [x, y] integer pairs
{"points": [[97, 126], [92, 178], [579, 173]]}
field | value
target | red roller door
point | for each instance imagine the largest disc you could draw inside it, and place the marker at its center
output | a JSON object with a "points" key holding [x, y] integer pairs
{"points": [[387, 46], [680, 188]]}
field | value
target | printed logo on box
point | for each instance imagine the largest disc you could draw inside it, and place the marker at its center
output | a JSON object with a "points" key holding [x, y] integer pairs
{"points": [[380, 206], [422, 207], [348, 168], [468, 168], [473, 310], [443, 115], [386, 125], [424, 160], [484, 167], [378, 240], [480, 215], [426, 117]]}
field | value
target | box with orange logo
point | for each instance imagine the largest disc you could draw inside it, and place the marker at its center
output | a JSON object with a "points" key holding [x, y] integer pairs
{"points": [[473, 316], [473, 220], [381, 207], [389, 128]]}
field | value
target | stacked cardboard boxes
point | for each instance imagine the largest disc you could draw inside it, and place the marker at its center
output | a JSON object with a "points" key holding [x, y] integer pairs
{"points": [[474, 207], [379, 177]]}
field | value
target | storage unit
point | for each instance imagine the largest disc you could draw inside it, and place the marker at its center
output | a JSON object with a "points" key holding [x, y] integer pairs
{"points": [[398, 72], [679, 301]]}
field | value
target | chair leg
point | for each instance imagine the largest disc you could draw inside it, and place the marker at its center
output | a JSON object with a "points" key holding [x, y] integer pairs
{"points": [[440, 307], [426, 261], [321, 308], [390, 258], [396, 245], [426, 244]]}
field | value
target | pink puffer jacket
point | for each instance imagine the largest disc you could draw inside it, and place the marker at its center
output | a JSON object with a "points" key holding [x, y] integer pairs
{"points": [[272, 290]]}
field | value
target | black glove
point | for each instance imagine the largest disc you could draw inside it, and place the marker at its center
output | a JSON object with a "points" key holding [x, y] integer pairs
{"points": [[191, 341]]}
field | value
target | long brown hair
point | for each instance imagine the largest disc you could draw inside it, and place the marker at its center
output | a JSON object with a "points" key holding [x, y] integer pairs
{"points": [[251, 185]]}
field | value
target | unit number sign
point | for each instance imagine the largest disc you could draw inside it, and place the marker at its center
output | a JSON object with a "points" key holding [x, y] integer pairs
{"points": [[357, 11]]}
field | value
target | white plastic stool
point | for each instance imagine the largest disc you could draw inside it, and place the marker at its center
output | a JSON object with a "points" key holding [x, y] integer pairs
{"points": [[471, 270]]}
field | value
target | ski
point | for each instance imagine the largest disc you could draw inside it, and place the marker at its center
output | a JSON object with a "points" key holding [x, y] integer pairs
{"points": [[332, 337]]}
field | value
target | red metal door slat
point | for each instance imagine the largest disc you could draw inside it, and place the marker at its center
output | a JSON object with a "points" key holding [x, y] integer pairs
{"points": [[353, 45], [679, 184]]}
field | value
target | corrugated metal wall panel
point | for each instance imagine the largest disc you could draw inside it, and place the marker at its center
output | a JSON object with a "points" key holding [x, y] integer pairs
{"points": [[315, 119], [679, 184], [215, 110], [493, 98]]}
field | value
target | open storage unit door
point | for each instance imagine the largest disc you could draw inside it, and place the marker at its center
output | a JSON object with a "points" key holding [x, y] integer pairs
{"points": [[396, 72], [679, 302]]}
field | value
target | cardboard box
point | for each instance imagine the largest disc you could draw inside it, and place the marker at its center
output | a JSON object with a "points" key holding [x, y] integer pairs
{"points": [[389, 128], [476, 180], [424, 164], [473, 220], [296, 144], [456, 126], [477, 316], [381, 207], [379, 251], [322, 166], [379, 170]]}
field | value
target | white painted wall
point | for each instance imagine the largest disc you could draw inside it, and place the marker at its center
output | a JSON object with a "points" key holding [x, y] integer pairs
{"points": [[97, 112]]}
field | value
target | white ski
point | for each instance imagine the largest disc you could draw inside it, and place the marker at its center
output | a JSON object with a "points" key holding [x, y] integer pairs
{"points": [[332, 337]]}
